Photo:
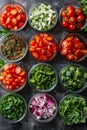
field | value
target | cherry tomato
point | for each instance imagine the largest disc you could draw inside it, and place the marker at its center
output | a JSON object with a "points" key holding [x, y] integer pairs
{"points": [[78, 11], [12, 76], [72, 27], [64, 13], [65, 24], [72, 20], [79, 25], [81, 18], [13, 17], [70, 11]]}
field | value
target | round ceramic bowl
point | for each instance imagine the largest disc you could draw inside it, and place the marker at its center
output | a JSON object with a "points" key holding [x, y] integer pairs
{"points": [[48, 103], [43, 49], [13, 47], [73, 103], [43, 77], [13, 77], [13, 100], [81, 38], [12, 20], [35, 23], [75, 5], [70, 78]]}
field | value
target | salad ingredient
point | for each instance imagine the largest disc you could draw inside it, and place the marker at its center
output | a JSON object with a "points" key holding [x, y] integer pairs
{"points": [[75, 18], [73, 47], [1, 62], [12, 76], [12, 107], [43, 47], [12, 16], [73, 77], [42, 77], [42, 17], [13, 47], [42, 106], [3, 32], [73, 109]]}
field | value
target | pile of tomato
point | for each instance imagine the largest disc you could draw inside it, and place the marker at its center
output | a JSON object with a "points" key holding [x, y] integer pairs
{"points": [[73, 48], [72, 18], [43, 47], [13, 17], [13, 76]]}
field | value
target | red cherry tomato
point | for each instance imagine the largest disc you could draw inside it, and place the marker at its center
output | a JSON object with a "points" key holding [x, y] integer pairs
{"points": [[78, 11], [72, 27], [81, 18], [65, 24], [70, 11], [72, 20]]}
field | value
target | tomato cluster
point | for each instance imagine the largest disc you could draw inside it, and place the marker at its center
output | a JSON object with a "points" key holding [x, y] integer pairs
{"points": [[72, 18], [13, 17], [43, 47], [73, 48], [13, 76]]}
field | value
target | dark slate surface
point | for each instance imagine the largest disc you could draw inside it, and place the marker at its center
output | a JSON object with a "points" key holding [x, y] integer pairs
{"points": [[28, 123]]}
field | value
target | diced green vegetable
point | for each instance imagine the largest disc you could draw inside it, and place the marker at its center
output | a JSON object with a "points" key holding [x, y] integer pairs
{"points": [[43, 17], [73, 77], [73, 110], [12, 107], [42, 77]]}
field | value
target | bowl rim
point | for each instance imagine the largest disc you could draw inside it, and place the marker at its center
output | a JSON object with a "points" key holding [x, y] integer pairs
{"points": [[48, 119], [77, 91], [36, 5], [56, 76], [75, 4], [3, 88], [81, 37], [25, 103], [18, 36], [56, 43], [23, 8]]}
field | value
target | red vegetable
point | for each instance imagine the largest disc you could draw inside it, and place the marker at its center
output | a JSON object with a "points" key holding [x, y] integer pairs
{"points": [[13, 17], [72, 18], [42, 106], [73, 48], [43, 47], [12, 76]]}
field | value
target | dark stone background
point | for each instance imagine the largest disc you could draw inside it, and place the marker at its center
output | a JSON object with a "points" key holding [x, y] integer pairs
{"points": [[28, 123]]}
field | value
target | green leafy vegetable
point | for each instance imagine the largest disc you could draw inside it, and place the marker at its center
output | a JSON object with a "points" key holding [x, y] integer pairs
{"points": [[3, 32], [84, 8], [73, 77], [42, 77], [73, 110], [1, 62], [12, 107]]}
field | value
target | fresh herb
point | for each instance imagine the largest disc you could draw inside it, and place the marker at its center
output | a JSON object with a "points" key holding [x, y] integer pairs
{"points": [[1, 62], [12, 107], [73, 77], [84, 8], [73, 110], [42, 77], [3, 32]]}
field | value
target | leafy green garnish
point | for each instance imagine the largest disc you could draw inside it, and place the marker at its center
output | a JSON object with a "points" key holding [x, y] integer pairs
{"points": [[73, 78], [12, 107], [3, 32], [1, 62], [73, 110]]}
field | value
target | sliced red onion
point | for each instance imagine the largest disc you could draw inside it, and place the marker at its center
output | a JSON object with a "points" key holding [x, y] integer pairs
{"points": [[42, 106]]}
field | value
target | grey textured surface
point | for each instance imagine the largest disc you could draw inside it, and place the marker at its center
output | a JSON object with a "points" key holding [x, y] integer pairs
{"points": [[28, 123]]}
